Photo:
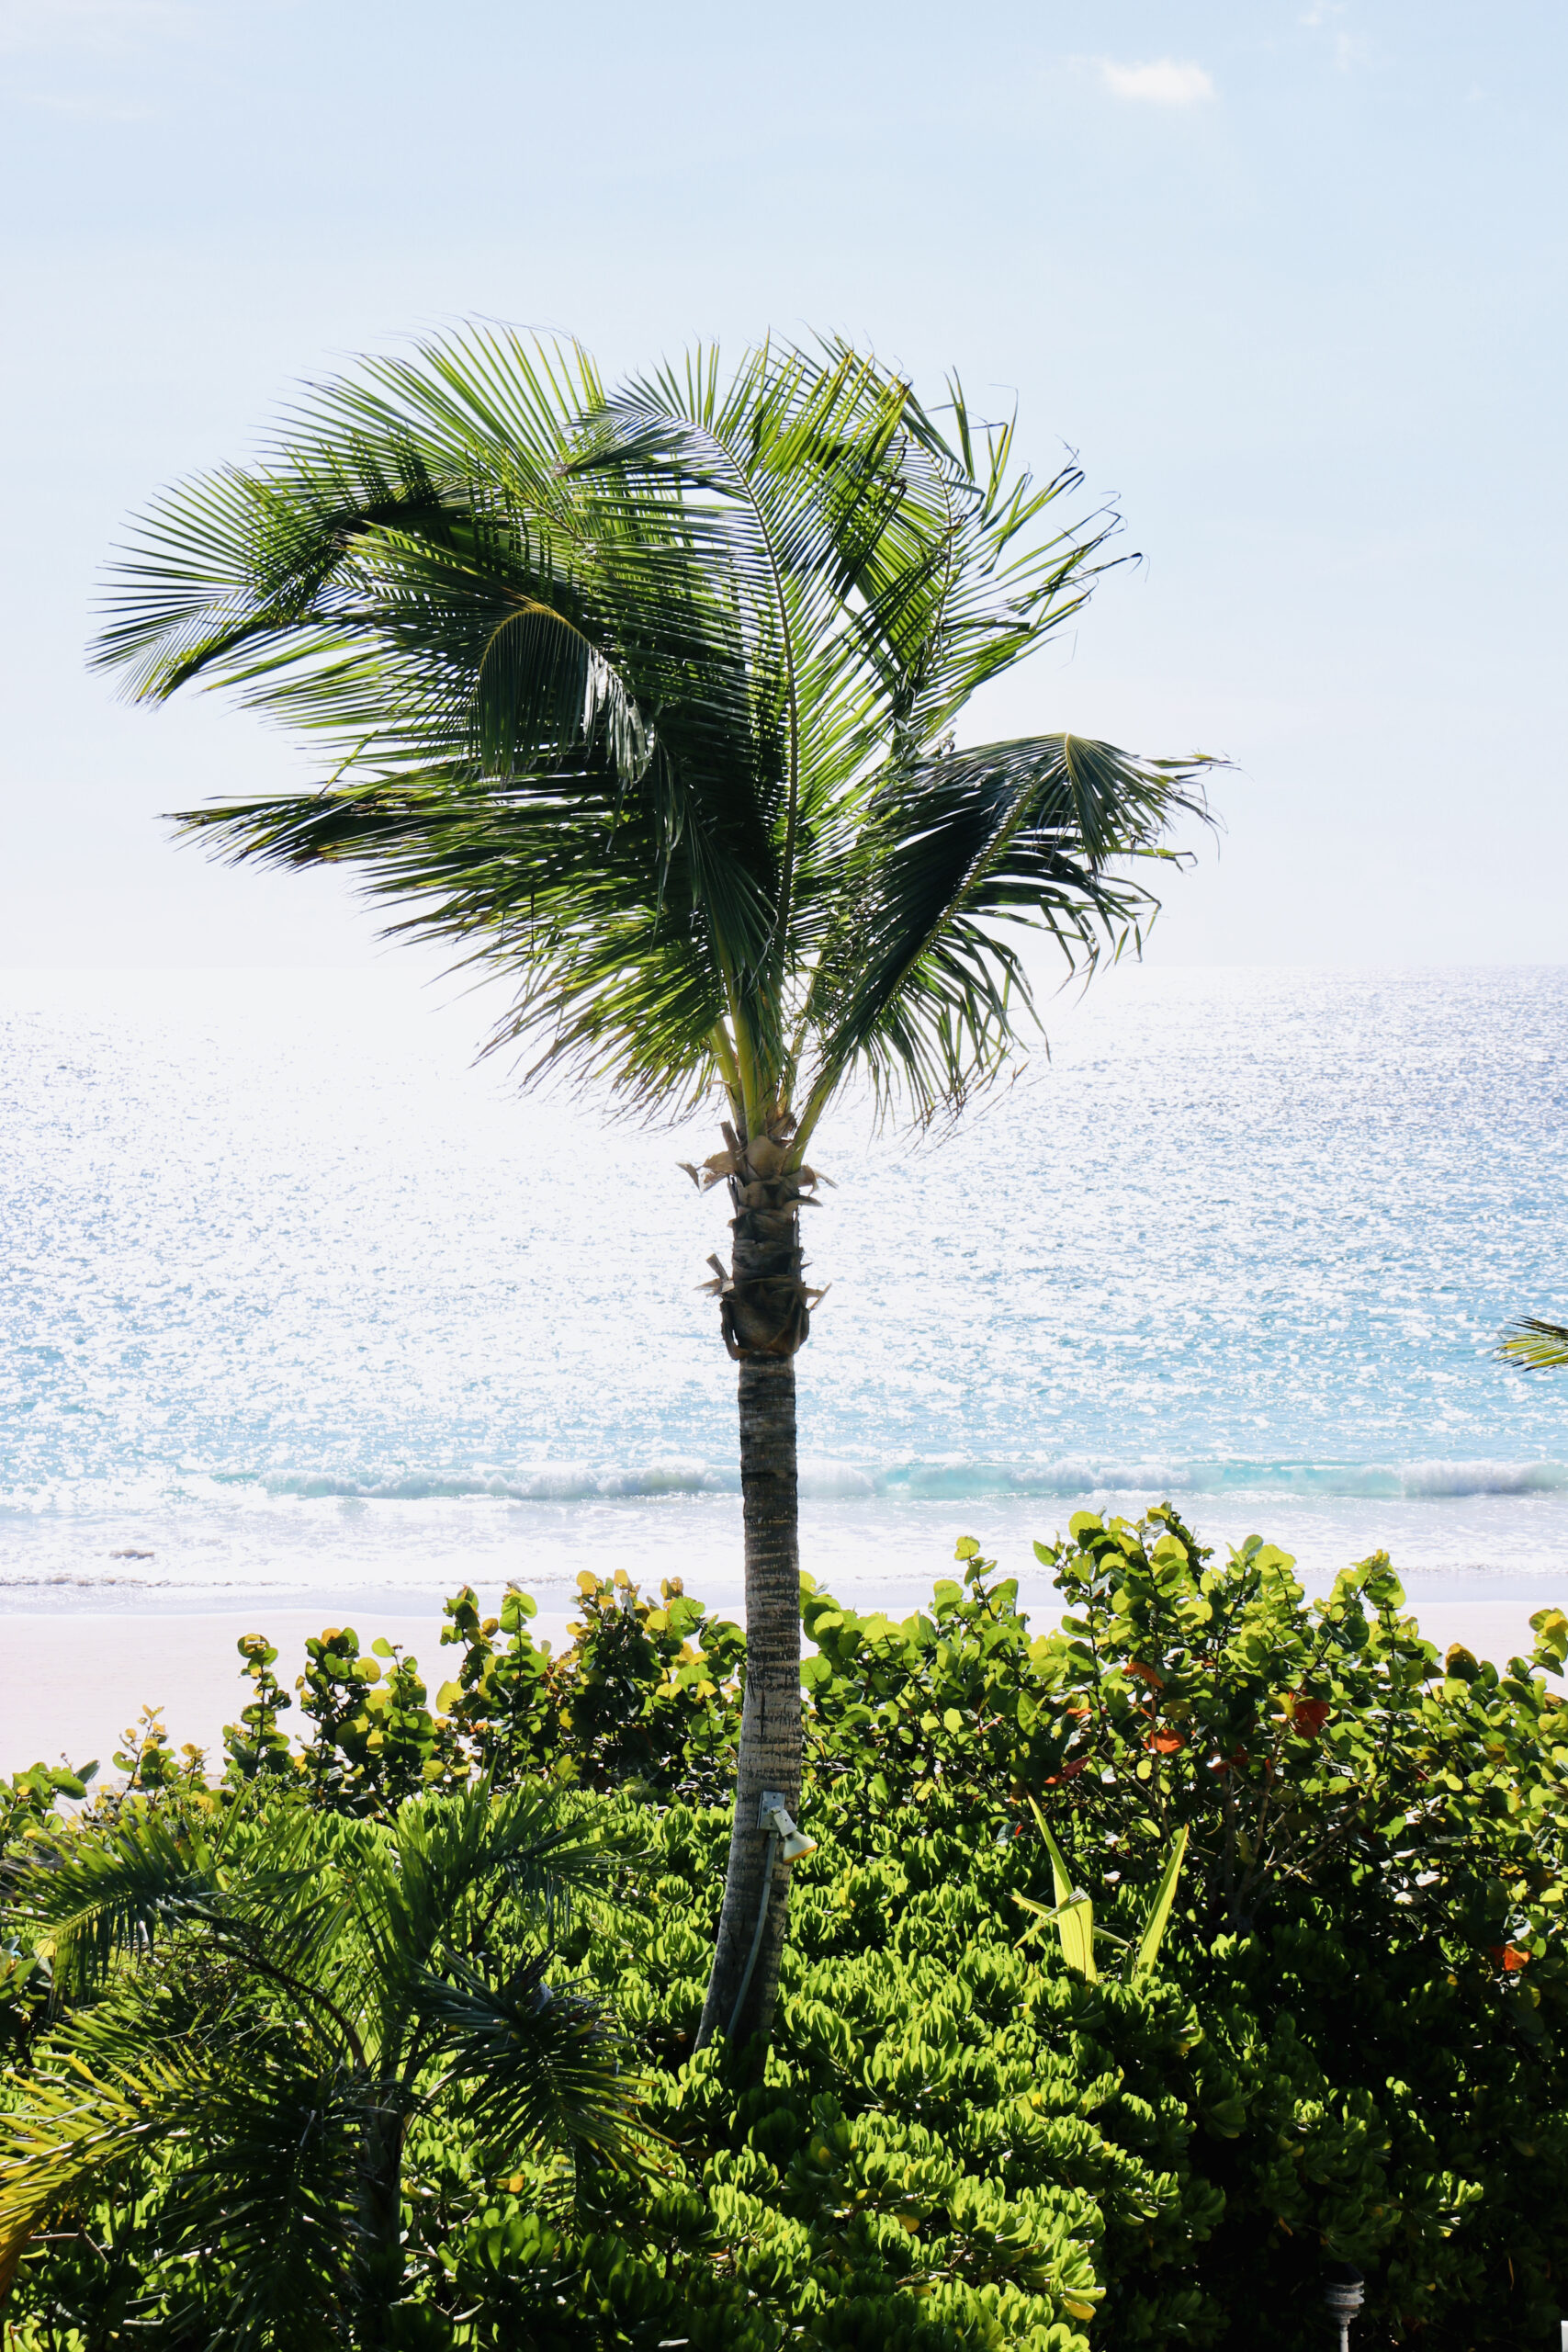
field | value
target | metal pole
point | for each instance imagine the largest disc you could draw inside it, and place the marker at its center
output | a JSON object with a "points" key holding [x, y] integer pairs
{"points": [[1345, 2294]]}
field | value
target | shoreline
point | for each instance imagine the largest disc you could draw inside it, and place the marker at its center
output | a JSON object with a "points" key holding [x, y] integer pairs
{"points": [[72, 1683]]}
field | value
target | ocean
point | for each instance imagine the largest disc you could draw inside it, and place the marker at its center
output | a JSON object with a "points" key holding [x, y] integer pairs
{"points": [[300, 1305]]}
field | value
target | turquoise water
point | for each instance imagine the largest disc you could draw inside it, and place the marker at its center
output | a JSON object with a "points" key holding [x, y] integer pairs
{"points": [[297, 1301]]}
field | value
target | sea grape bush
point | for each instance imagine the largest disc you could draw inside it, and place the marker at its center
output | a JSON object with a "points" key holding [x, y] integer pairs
{"points": [[1353, 2045], [1317, 1750], [646, 1695], [1319, 1747]]}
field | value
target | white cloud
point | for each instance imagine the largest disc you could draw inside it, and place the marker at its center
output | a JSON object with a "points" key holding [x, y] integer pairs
{"points": [[1161, 83]]}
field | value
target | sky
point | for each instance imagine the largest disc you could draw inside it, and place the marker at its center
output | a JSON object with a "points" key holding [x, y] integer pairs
{"points": [[1286, 274]]}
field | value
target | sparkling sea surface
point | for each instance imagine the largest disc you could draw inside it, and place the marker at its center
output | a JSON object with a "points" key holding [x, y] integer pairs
{"points": [[299, 1304]]}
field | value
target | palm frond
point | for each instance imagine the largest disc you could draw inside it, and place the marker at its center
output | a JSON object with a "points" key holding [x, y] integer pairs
{"points": [[74, 2128], [265, 2187], [1538, 1347], [435, 1880], [270, 2007], [269, 2192], [456, 1853], [916, 983], [536, 2067], [109, 1895]]}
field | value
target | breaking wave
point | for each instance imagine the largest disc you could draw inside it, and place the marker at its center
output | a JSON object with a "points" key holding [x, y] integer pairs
{"points": [[823, 1479], [1086, 1474]]}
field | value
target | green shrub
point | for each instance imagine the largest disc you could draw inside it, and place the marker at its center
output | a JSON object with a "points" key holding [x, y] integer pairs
{"points": [[1353, 2047]]}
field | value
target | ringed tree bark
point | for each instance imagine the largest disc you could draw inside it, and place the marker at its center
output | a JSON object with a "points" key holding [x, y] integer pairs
{"points": [[646, 698], [766, 1308]]}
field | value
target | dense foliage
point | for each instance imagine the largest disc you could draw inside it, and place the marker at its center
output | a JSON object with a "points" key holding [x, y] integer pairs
{"points": [[1353, 2047]]}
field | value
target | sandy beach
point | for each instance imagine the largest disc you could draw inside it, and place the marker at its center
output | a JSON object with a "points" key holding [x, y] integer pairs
{"points": [[71, 1685]]}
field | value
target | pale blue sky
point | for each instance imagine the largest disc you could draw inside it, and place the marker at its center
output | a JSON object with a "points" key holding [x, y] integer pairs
{"points": [[1288, 278]]}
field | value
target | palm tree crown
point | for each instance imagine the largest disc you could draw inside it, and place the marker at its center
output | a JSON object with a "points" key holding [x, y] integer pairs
{"points": [[647, 695]]}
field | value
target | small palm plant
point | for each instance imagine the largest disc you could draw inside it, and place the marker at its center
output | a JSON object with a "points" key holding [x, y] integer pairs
{"points": [[262, 2010], [646, 698]]}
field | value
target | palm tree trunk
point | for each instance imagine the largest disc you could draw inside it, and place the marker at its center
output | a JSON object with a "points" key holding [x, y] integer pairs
{"points": [[770, 1720], [378, 2254], [766, 1318]]}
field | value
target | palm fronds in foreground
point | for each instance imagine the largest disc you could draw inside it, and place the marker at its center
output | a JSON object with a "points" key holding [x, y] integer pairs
{"points": [[263, 2013]]}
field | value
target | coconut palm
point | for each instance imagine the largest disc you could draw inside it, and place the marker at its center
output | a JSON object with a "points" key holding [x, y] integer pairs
{"points": [[646, 697], [264, 2006]]}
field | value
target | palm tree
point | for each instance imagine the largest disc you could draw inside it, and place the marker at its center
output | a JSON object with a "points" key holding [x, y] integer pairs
{"points": [[645, 697], [280, 1999]]}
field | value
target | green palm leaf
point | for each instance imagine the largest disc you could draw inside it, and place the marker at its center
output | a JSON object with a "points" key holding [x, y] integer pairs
{"points": [[1539, 1347], [916, 984], [109, 1897], [536, 2067], [1162, 1905]]}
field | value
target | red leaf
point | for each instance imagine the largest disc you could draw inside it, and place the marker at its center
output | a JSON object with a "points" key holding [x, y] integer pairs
{"points": [[1164, 1742], [1309, 1715]]}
